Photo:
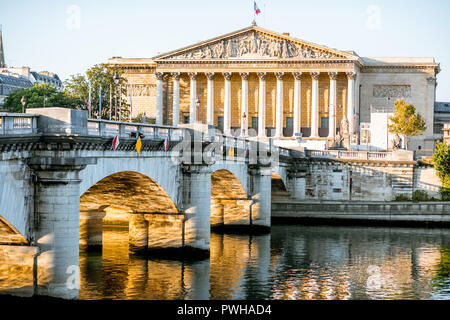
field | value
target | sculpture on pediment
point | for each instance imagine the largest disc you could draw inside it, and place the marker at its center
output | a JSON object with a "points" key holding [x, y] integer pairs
{"points": [[255, 44]]}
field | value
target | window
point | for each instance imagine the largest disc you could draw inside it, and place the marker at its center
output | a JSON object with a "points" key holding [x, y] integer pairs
{"points": [[185, 119], [220, 122], [324, 123], [289, 123], [254, 122]]}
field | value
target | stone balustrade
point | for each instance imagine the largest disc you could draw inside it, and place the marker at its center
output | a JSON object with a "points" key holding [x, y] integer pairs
{"points": [[18, 123], [398, 155]]}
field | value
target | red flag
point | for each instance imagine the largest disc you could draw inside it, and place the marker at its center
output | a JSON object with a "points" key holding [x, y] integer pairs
{"points": [[166, 144], [116, 142]]}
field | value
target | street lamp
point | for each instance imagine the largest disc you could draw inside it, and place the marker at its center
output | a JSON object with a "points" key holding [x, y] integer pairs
{"points": [[116, 81], [198, 108], [23, 101]]}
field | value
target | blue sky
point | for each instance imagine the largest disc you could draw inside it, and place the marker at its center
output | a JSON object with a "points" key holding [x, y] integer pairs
{"points": [[67, 37]]}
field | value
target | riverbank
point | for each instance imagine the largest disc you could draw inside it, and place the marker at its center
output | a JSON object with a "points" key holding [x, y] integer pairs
{"points": [[423, 214]]}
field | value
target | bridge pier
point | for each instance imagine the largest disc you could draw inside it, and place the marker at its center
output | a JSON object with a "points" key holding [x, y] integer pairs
{"points": [[56, 225], [91, 229], [297, 184], [197, 208], [261, 194]]}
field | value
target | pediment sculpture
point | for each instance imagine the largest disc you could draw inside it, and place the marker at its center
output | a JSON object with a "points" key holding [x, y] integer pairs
{"points": [[253, 45]]}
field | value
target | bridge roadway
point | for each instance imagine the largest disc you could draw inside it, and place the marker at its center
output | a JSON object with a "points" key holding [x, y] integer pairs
{"points": [[59, 173]]}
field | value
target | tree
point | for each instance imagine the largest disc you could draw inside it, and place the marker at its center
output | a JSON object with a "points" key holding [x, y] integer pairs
{"points": [[100, 75], [441, 161], [40, 96], [406, 122]]}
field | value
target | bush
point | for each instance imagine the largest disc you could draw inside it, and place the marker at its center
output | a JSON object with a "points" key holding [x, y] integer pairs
{"points": [[420, 195], [401, 197]]}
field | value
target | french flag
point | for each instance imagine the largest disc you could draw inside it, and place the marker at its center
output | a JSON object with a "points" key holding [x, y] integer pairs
{"points": [[257, 11]]}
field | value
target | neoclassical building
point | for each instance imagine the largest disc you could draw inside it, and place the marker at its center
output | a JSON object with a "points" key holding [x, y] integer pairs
{"points": [[279, 86]]}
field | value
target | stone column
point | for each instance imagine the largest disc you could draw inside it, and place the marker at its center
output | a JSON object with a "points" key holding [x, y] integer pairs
{"points": [[351, 103], [197, 207], [262, 105], [91, 229], [315, 105], [262, 197], [244, 103], [210, 99], [332, 108], [159, 97], [193, 98], [176, 99], [227, 104], [279, 107], [57, 224], [297, 103]]}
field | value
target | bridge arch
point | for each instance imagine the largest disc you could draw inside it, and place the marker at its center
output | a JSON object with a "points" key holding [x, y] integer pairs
{"points": [[230, 203], [9, 234], [154, 218]]}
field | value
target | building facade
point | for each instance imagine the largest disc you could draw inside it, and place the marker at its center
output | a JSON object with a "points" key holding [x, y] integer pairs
{"points": [[279, 86]]}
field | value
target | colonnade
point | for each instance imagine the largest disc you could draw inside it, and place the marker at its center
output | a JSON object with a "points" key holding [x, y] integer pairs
{"points": [[299, 77]]}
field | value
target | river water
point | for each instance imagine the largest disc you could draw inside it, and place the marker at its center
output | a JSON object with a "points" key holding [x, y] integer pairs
{"points": [[293, 262]]}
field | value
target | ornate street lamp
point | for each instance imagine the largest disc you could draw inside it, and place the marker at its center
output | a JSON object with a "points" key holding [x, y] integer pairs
{"points": [[23, 101]]}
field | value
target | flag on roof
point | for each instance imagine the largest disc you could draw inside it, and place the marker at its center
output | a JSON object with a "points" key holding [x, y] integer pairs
{"points": [[257, 11]]}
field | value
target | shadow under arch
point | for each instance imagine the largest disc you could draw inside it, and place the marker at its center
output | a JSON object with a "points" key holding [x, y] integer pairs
{"points": [[9, 235], [279, 190], [230, 204], [153, 217]]}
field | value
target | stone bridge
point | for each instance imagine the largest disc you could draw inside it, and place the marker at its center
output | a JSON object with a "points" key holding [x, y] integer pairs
{"points": [[60, 175]]}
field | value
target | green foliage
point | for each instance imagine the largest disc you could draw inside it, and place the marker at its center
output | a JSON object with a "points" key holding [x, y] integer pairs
{"points": [[100, 75], [40, 96], [420, 195], [141, 118], [441, 161], [401, 197], [405, 121]]}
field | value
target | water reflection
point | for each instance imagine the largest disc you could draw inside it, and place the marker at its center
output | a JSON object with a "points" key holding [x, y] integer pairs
{"points": [[293, 262]]}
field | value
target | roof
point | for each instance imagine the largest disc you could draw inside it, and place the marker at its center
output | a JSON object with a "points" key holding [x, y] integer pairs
{"points": [[15, 81], [442, 107], [45, 78]]}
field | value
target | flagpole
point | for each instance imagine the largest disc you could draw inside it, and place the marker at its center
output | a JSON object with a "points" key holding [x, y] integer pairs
{"points": [[89, 102], [120, 102], [131, 100], [100, 104], [110, 101]]}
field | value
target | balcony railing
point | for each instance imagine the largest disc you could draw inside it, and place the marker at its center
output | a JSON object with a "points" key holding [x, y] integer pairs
{"points": [[352, 155]]}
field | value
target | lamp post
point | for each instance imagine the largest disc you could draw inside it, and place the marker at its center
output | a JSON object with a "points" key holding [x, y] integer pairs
{"points": [[116, 81], [23, 101], [198, 108]]}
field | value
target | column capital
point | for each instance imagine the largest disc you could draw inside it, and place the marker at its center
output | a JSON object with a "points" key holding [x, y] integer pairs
{"points": [[297, 75], [227, 75], [159, 75], [351, 75], [245, 75], [315, 75], [193, 75], [210, 75], [279, 75], [333, 75], [262, 75], [176, 75]]}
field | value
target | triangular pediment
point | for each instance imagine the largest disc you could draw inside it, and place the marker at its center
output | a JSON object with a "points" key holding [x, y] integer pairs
{"points": [[255, 43]]}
